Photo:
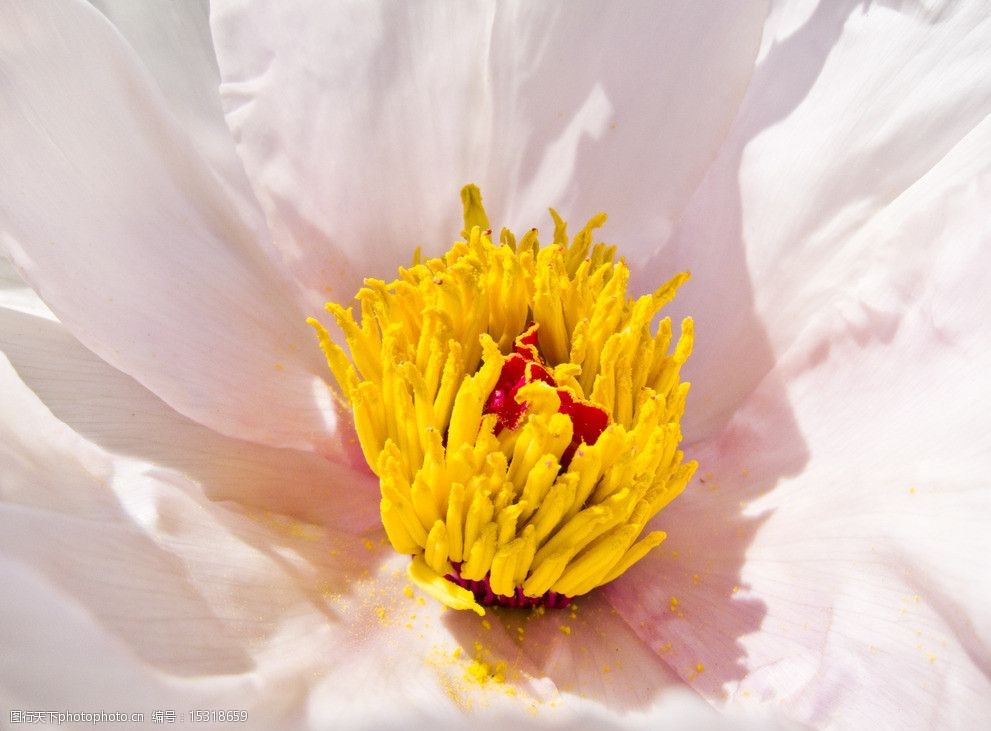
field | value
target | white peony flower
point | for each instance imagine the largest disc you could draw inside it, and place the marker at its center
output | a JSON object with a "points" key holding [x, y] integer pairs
{"points": [[186, 522]]}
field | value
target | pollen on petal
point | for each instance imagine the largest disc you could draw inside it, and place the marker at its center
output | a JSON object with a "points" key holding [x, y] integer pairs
{"points": [[519, 409]]}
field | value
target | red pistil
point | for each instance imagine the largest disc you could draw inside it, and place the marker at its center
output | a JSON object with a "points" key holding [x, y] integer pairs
{"points": [[525, 365]]}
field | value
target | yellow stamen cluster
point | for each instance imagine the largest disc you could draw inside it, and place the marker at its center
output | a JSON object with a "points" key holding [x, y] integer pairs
{"points": [[426, 353]]}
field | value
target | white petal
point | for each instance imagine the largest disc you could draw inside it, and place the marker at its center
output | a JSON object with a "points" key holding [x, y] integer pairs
{"points": [[850, 113], [137, 244], [121, 416], [173, 43], [126, 590], [359, 122], [18, 296], [833, 561]]}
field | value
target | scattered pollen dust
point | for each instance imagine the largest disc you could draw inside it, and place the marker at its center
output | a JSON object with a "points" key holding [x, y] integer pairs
{"points": [[289, 527], [471, 677], [472, 681], [474, 677]]}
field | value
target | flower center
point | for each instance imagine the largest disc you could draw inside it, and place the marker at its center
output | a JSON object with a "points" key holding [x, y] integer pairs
{"points": [[525, 365], [521, 416]]}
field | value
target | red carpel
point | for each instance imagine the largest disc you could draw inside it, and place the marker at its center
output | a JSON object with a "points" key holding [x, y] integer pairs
{"points": [[525, 365]]}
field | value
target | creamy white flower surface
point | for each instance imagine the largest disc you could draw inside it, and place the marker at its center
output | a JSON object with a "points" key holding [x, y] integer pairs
{"points": [[183, 523]]}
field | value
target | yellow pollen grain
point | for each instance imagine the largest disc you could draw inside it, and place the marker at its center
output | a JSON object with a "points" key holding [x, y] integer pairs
{"points": [[475, 680], [565, 629], [420, 357], [408, 591]]}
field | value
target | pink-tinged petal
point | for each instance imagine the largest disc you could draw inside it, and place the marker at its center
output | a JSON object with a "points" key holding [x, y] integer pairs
{"points": [[136, 242], [173, 43], [850, 108], [116, 413], [831, 559], [16, 295], [359, 122], [125, 589]]}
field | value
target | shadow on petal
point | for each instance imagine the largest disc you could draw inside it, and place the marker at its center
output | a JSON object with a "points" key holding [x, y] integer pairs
{"points": [[686, 599], [732, 352]]}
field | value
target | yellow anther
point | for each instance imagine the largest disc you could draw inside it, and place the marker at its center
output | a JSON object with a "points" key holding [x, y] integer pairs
{"points": [[440, 588]]}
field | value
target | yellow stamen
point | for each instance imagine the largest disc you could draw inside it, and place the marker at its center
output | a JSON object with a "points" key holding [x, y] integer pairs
{"points": [[526, 508]]}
